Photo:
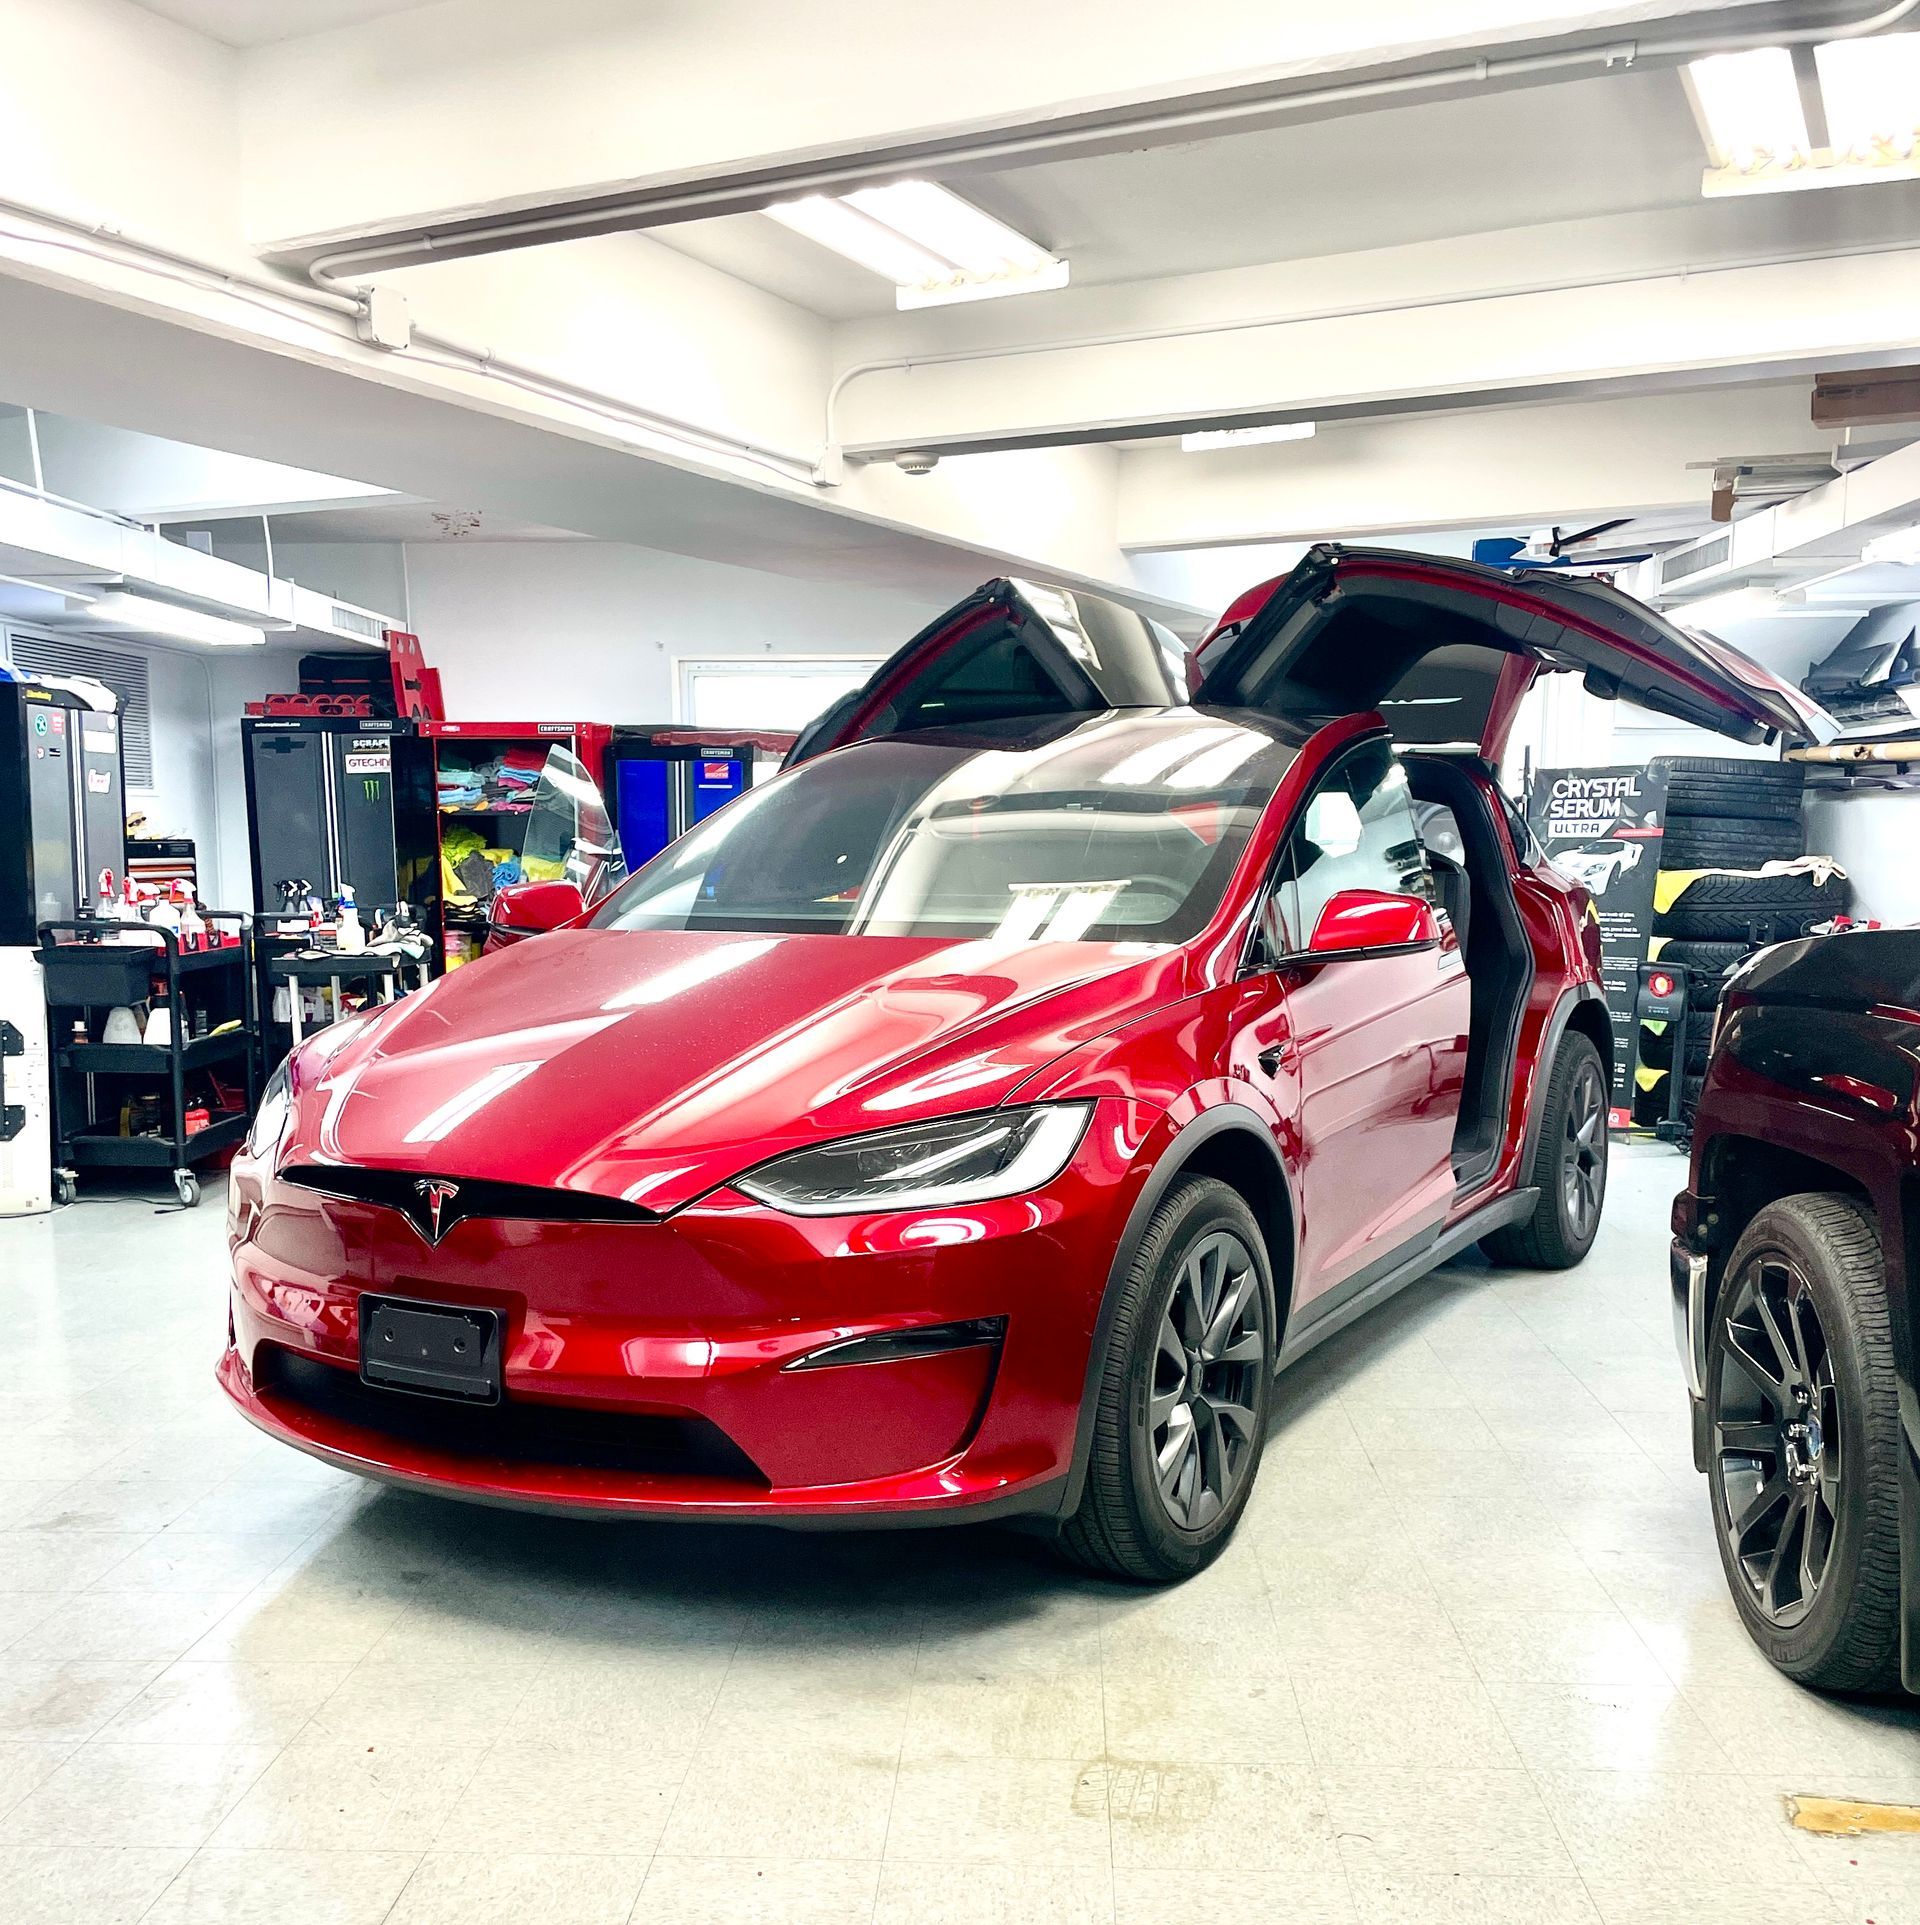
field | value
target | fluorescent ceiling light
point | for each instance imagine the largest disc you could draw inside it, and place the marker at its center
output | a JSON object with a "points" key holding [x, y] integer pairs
{"points": [[1205, 438], [1751, 105], [1902, 546], [860, 238], [136, 614], [1871, 89], [1750, 112], [932, 245]]}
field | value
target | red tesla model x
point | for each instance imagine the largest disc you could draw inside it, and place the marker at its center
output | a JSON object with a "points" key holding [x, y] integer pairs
{"points": [[974, 1120]]}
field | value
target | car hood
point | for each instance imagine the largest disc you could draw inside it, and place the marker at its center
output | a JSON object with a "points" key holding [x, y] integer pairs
{"points": [[652, 1065]]}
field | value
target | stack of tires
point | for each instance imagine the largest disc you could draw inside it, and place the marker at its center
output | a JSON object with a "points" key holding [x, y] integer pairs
{"points": [[1726, 817]]}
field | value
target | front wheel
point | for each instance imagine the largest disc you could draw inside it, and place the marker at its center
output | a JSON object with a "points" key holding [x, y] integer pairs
{"points": [[1803, 1423], [1569, 1167], [1182, 1393]]}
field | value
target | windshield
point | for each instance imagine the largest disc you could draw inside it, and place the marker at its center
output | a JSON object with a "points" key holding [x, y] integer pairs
{"points": [[1115, 830]]}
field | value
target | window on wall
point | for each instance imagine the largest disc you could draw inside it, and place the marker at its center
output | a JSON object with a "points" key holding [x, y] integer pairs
{"points": [[767, 694], [126, 675]]}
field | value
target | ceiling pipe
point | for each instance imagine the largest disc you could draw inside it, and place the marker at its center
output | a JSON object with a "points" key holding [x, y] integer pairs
{"points": [[670, 205], [1417, 303], [290, 299], [321, 291]]}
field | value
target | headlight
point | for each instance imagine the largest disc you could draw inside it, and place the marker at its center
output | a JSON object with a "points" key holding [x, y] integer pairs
{"points": [[962, 1159], [270, 1119]]}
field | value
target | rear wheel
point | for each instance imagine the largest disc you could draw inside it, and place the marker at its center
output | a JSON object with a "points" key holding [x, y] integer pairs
{"points": [[1804, 1431], [1569, 1166], [1182, 1395]]}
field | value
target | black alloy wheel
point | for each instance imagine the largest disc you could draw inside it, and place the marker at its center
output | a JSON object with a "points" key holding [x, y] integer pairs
{"points": [[1583, 1155], [1181, 1391], [1804, 1442], [1778, 1455], [1204, 1405], [1568, 1166]]}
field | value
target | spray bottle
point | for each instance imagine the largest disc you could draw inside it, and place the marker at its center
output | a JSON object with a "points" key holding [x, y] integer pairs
{"points": [[348, 934]]}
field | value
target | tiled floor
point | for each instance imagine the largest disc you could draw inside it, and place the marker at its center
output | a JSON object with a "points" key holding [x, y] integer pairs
{"points": [[1469, 1660]]}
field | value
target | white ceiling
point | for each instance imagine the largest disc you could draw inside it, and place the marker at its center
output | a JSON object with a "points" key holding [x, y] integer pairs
{"points": [[1613, 144], [254, 23], [414, 521]]}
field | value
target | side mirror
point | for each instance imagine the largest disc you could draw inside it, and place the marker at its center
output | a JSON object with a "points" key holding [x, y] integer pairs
{"points": [[532, 908], [1356, 919]]}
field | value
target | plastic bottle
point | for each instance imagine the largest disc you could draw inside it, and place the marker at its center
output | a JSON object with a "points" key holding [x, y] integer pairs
{"points": [[351, 938], [193, 928]]}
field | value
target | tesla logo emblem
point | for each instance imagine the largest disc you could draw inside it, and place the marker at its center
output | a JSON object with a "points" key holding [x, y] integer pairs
{"points": [[438, 1194]]}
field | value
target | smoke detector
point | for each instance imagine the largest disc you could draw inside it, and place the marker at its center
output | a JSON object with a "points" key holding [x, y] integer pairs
{"points": [[916, 461]]}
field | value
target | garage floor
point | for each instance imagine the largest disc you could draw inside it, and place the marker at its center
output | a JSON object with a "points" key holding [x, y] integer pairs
{"points": [[1469, 1660]]}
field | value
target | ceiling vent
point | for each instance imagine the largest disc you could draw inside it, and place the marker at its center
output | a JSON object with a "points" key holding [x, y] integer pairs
{"points": [[357, 622], [126, 675], [1712, 551]]}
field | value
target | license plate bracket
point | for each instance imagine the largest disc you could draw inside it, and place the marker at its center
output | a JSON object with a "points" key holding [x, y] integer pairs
{"points": [[431, 1349]]}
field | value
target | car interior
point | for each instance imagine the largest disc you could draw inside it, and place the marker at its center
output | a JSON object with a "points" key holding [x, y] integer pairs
{"points": [[1471, 875]]}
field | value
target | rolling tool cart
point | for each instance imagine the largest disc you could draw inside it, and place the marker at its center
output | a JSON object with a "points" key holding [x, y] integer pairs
{"points": [[123, 1101], [383, 975]]}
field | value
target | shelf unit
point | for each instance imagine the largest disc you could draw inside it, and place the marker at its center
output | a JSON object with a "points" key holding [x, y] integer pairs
{"points": [[93, 966], [471, 745]]}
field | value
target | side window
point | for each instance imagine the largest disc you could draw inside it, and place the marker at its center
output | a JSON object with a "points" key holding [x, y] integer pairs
{"points": [[1357, 832]]}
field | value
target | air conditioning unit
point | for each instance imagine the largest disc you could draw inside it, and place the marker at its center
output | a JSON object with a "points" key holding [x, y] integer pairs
{"points": [[325, 618]]}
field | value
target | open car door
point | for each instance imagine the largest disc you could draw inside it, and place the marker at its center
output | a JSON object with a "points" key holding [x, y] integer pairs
{"points": [[1012, 648], [1446, 649]]}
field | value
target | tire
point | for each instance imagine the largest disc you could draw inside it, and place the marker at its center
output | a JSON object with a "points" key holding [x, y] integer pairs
{"points": [[1126, 1526], [1728, 845], [1729, 802], [1726, 787], [1704, 958], [1752, 909], [1833, 1454], [1572, 1138], [1748, 772]]}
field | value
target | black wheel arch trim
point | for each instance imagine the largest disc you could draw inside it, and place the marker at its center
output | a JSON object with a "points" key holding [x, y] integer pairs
{"points": [[1219, 1120], [1574, 997]]}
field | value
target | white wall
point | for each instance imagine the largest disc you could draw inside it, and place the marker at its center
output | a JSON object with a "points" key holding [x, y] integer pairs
{"points": [[563, 630], [370, 574], [1871, 833], [199, 780]]}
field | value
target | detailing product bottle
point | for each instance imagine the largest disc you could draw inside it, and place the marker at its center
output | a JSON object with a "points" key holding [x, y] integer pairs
{"points": [[351, 938]]}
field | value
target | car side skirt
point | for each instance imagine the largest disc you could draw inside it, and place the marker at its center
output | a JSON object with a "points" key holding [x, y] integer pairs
{"points": [[1370, 1287]]}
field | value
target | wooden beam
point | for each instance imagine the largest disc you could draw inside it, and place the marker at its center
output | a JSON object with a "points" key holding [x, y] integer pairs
{"points": [[1866, 399]]}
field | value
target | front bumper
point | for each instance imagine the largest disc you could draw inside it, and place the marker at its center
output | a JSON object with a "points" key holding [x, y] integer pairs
{"points": [[648, 1367]]}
